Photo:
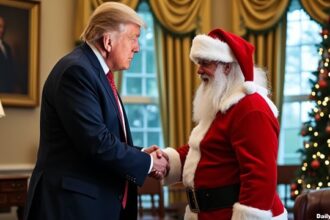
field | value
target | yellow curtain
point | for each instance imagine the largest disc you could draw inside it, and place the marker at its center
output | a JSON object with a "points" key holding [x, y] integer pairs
{"points": [[177, 16], [177, 83], [85, 9], [319, 10], [270, 54], [257, 15], [263, 24], [177, 23]]}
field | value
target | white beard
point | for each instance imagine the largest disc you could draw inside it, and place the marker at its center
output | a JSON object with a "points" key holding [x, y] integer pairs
{"points": [[210, 95]]}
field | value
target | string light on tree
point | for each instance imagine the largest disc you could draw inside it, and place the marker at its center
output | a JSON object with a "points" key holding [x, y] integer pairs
{"points": [[315, 171]]}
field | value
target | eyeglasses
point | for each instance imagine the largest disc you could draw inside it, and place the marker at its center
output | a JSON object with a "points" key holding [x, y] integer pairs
{"points": [[207, 63]]}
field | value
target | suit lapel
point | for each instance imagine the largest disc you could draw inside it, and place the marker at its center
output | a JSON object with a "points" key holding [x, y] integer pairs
{"points": [[93, 59]]}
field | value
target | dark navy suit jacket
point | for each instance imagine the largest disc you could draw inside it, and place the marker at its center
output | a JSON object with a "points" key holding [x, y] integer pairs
{"points": [[83, 161]]}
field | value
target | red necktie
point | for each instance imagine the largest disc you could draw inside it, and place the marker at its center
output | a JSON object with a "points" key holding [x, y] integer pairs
{"points": [[114, 90]]}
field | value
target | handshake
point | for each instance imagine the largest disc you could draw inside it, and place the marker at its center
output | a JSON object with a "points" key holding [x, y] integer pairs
{"points": [[160, 166]]}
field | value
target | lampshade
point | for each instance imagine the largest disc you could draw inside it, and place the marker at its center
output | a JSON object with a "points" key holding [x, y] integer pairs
{"points": [[2, 113]]}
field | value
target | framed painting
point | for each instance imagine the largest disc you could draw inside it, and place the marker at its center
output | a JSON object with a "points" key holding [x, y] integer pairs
{"points": [[19, 53]]}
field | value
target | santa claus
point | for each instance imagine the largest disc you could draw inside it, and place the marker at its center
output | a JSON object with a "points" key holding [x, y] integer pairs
{"points": [[229, 164]]}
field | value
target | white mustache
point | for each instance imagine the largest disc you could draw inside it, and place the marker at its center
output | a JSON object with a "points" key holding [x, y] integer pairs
{"points": [[204, 77]]}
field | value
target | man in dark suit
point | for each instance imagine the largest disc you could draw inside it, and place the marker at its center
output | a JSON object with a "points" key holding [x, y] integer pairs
{"points": [[7, 67], [87, 166]]}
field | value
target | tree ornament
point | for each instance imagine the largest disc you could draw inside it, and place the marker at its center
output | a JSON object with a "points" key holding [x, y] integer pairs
{"points": [[303, 131], [317, 117], [315, 164], [327, 128], [293, 186], [322, 83]]}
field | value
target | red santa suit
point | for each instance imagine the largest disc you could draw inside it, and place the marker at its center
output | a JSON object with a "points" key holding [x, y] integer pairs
{"points": [[237, 146]]}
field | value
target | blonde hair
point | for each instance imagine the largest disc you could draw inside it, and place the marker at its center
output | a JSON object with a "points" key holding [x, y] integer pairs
{"points": [[109, 17]]}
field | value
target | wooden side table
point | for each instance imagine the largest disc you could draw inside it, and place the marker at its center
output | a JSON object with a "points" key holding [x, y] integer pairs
{"points": [[13, 192]]}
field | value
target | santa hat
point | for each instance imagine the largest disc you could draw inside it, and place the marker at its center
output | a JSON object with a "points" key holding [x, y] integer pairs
{"points": [[226, 47]]}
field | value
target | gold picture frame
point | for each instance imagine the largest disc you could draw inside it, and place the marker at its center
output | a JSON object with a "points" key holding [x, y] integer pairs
{"points": [[19, 73]]}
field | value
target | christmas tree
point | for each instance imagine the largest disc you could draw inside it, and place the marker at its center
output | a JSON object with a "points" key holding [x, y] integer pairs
{"points": [[315, 169]]}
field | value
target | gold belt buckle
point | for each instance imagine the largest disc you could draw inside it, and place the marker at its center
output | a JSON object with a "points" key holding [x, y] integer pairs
{"points": [[192, 200]]}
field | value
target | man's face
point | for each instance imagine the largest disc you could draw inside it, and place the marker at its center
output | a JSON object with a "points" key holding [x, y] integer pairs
{"points": [[2, 27], [207, 69], [124, 47]]}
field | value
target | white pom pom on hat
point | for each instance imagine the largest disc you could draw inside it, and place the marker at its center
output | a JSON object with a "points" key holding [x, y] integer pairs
{"points": [[226, 47]]}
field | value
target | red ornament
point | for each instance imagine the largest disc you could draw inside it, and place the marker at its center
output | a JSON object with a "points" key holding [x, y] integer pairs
{"points": [[315, 164], [293, 186], [312, 97], [322, 83], [325, 32], [317, 117], [303, 133], [327, 129]]}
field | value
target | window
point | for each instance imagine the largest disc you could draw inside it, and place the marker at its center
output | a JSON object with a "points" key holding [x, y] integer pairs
{"points": [[301, 59], [140, 91]]}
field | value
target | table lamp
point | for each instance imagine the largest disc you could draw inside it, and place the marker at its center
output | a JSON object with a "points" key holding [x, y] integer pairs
{"points": [[2, 113]]}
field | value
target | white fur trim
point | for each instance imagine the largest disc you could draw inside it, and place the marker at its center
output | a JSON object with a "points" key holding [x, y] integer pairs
{"points": [[174, 174], [249, 87], [189, 215], [231, 100], [283, 216], [206, 47], [271, 105], [194, 153], [243, 212]]}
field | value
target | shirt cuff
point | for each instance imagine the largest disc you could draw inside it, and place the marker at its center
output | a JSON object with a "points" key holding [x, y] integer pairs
{"points": [[151, 161]]}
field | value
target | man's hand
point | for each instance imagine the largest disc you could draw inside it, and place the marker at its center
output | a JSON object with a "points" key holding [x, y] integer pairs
{"points": [[161, 164], [151, 149]]}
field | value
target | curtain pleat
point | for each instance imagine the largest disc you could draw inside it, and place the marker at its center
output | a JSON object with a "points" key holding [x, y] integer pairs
{"points": [[177, 16], [270, 55], [319, 10], [261, 23], [257, 16], [177, 84]]}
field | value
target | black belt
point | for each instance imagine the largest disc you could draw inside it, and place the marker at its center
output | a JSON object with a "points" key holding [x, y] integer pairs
{"points": [[211, 199]]}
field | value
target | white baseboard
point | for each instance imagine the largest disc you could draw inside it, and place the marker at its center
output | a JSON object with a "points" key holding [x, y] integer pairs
{"points": [[16, 169]]}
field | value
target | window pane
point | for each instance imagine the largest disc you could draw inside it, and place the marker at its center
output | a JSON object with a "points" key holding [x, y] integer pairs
{"points": [[152, 88], [134, 86], [309, 53], [294, 33], [292, 59], [134, 115], [305, 82], [153, 116], [291, 114], [292, 139], [309, 28], [138, 138], [153, 137], [136, 65], [301, 60], [151, 62], [292, 83], [306, 108]]}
